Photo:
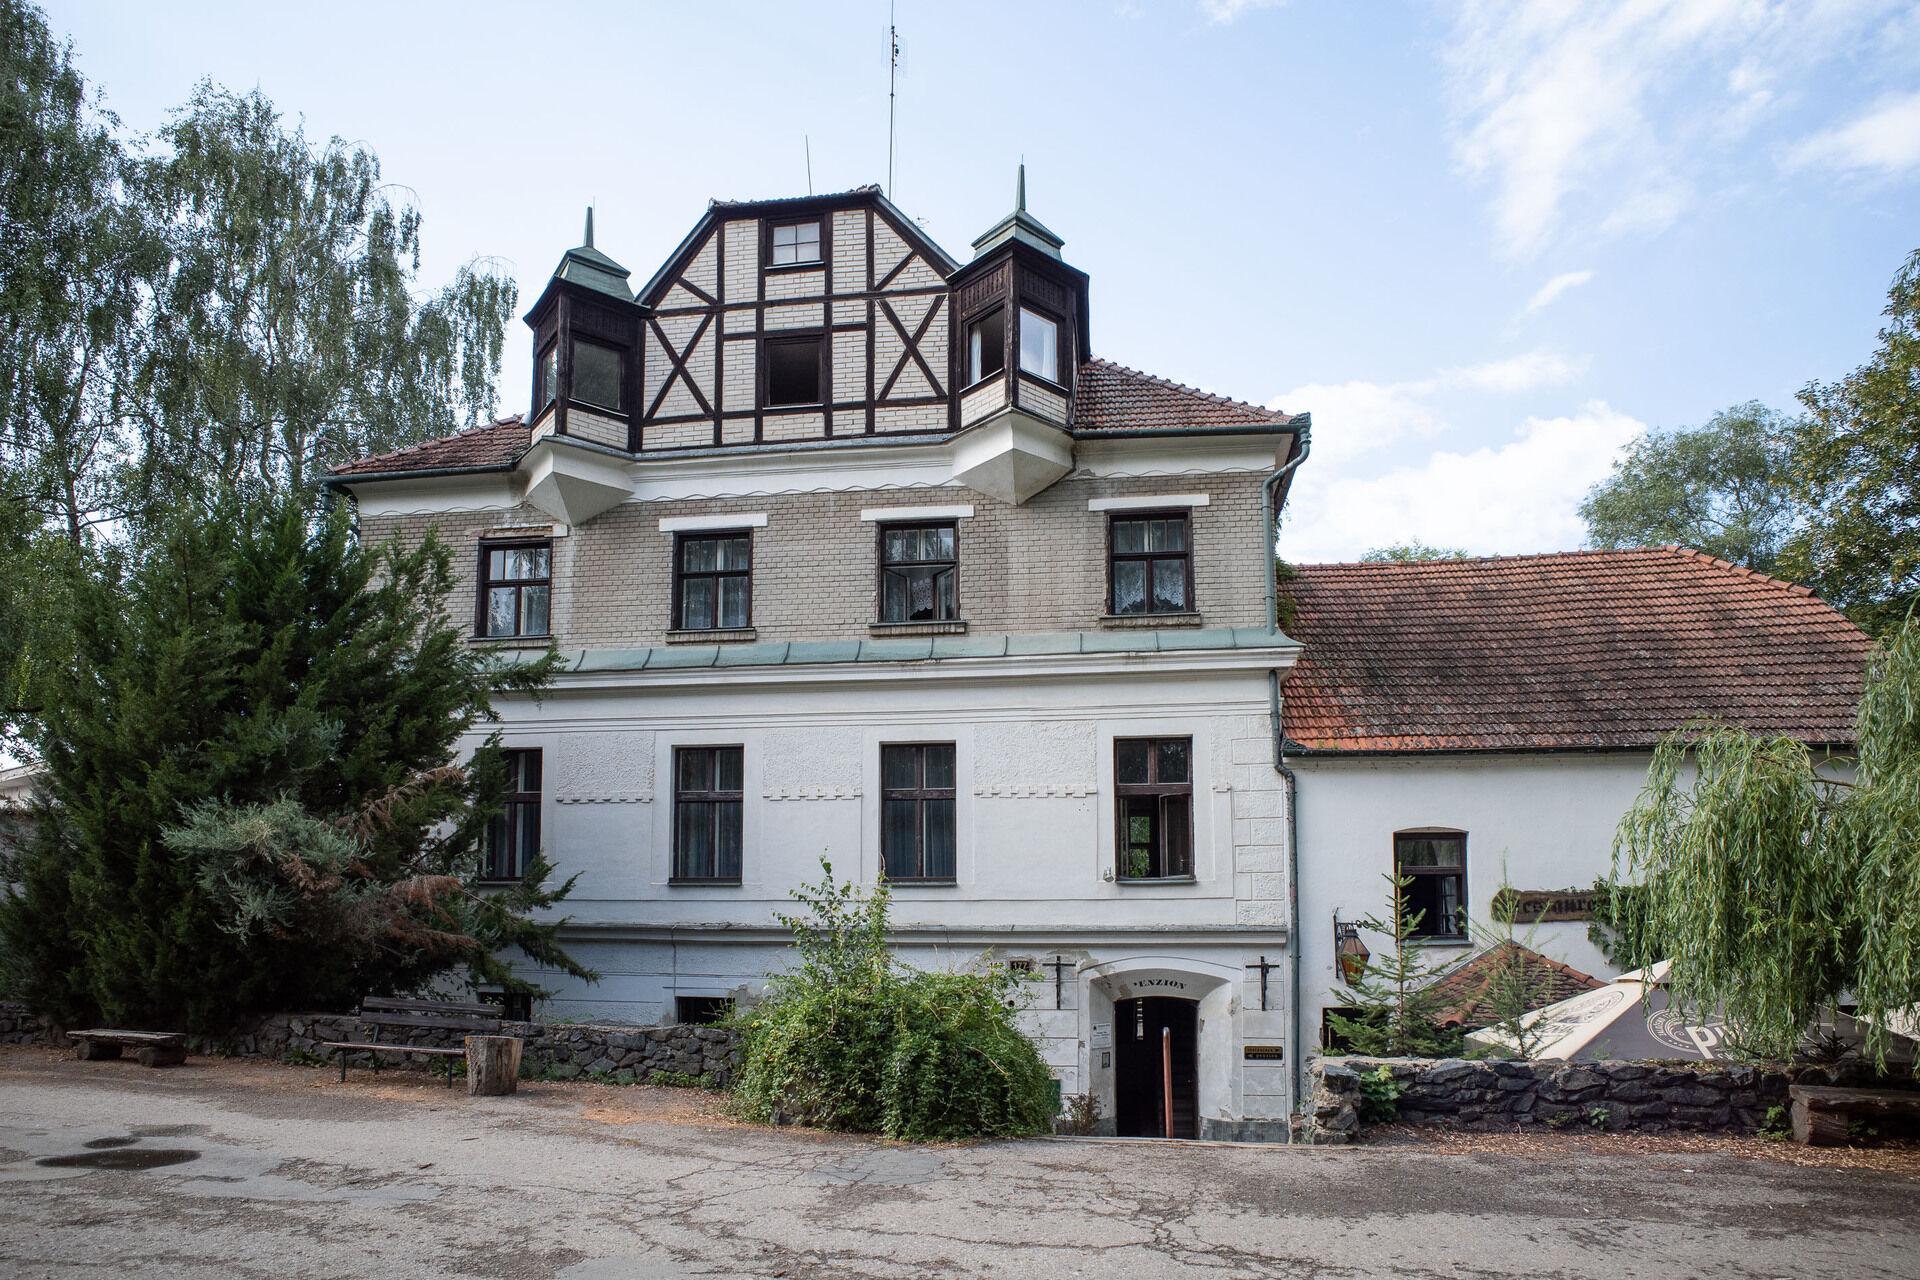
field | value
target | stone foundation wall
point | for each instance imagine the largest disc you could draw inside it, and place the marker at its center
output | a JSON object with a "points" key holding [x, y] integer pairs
{"points": [[1497, 1094], [558, 1049], [17, 1026], [561, 1049]]}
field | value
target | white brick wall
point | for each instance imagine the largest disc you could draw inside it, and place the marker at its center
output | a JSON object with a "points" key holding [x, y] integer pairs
{"points": [[796, 284], [794, 426], [809, 315], [850, 251], [739, 391], [743, 261], [703, 271], [1048, 404], [930, 417], [982, 400], [677, 435], [591, 426]]}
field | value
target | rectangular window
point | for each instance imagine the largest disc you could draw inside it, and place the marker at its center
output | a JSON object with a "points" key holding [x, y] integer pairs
{"points": [[706, 814], [513, 837], [919, 573], [793, 371], [986, 346], [713, 581], [516, 588], [1151, 564], [916, 810], [1153, 790], [793, 243], [1039, 346], [1437, 865], [702, 1011], [599, 375], [546, 377]]}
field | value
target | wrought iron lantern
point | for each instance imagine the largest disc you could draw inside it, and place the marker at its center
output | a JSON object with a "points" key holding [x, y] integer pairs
{"points": [[1350, 954]]}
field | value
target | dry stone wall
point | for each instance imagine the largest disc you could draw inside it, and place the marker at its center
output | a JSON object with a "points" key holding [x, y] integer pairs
{"points": [[1495, 1095], [561, 1050]]}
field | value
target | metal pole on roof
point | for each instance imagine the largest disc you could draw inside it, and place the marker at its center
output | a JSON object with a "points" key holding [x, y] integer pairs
{"points": [[893, 65]]}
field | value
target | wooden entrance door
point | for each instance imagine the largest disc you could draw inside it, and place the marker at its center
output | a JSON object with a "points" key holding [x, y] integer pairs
{"points": [[1138, 1082]]}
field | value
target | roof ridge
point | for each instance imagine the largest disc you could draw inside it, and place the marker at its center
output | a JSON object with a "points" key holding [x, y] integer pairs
{"points": [[511, 419], [1214, 396], [1744, 570]]}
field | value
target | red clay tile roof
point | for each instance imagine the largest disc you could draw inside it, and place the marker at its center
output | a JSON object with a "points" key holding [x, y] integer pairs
{"points": [[1112, 396], [498, 444], [1577, 650], [1462, 990]]}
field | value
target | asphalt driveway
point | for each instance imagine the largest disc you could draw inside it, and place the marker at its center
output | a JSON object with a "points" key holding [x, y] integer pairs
{"points": [[245, 1169]]}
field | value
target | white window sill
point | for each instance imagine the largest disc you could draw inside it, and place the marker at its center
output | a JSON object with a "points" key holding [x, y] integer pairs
{"points": [[724, 635], [956, 627], [512, 642], [1132, 621]]}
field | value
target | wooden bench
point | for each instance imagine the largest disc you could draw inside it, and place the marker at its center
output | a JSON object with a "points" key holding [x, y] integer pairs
{"points": [[151, 1048], [1822, 1116], [380, 1013]]}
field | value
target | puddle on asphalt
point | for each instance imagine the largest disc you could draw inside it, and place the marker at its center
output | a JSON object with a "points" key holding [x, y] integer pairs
{"points": [[103, 1144], [121, 1158]]}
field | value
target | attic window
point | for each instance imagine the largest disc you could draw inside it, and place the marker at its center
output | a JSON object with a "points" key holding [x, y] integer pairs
{"points": [[986, 346], [1039, 346], [598, 375], [794, 243], [793, 371]]}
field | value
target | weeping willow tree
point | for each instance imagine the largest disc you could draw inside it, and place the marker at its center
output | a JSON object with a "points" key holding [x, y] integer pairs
{"points": [[1778, 889]]}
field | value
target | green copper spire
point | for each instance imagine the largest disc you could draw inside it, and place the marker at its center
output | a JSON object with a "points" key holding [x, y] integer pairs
{"points": [[1019, 225], [588, 267]]}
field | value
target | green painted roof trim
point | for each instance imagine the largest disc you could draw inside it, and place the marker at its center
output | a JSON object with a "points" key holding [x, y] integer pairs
{"points": [[799, 653]]}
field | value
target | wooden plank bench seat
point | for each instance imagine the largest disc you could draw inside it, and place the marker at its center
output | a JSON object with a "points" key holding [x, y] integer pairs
{"points": [[151, 1048], [382, 1013], [1822, 1115]]}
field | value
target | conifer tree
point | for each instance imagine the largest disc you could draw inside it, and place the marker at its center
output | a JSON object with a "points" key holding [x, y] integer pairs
{"points": [[249, 660], [1393, 1000]]}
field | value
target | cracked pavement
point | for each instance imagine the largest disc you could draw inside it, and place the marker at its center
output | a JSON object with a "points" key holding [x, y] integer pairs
{"points": [[254, 1169]]}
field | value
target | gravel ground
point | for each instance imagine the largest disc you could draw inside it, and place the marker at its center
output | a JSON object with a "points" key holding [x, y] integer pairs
{"points": [[254, 1169]]}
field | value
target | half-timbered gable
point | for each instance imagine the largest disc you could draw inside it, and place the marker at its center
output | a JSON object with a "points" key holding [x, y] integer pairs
{"points": [[789, 320]]}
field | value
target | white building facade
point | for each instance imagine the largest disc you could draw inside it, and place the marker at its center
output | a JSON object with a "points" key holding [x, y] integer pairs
{"points": [[856, 555]]}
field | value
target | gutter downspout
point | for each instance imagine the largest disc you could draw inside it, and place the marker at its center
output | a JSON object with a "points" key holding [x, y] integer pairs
{"points": [[1270, 525]]}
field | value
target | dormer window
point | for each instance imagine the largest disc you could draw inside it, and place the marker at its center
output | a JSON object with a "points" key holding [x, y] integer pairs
{"points": [[546, 377], [599, 374], [793, 243], [986, 346], [1039, 346]]}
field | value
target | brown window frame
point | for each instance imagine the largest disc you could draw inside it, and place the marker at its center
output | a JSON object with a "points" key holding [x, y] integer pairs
{"points": [[486, 584], [713, 797], [918, 796], [1059, 345], [1152, 789], [623, 354], [508, 826], [823, 221], [1427, 930], [1116, 518], [546, 377], [1007, 355], [680, 575], [882, 564], [818, 337]]}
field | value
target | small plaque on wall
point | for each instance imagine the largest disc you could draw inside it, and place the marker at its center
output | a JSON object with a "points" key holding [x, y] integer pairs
{"points": [[1103, 1035], [1264, 1053]]}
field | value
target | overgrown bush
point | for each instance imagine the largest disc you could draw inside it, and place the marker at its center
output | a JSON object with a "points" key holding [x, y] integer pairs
{"points": [[853, 1039], [1379, 1097]]}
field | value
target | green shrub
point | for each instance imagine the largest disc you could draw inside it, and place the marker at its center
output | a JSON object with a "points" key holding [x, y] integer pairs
{"points": [[1777, 1125], [852, 1039], [1379, 1097]]}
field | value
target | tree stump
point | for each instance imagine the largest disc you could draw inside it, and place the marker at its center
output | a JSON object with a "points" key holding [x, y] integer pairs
{"points": [[160, 1056], [493, 1064]]}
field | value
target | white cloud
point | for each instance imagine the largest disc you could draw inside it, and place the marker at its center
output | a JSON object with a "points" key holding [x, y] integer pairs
{"points": [[1886, 138], [1605, 116], [1518, 497], [1555, 287], [1222, 12], [1355, 418]]}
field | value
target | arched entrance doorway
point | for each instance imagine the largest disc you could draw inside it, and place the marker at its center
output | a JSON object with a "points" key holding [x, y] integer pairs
{"points": [[1151, 1034]]}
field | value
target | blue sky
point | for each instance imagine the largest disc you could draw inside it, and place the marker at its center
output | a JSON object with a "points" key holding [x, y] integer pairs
{"points": [[1483, 243]]}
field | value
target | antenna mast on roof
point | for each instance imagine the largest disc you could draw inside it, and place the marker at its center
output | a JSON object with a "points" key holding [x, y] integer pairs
{"points": [[893, 66], [807, 140]]}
